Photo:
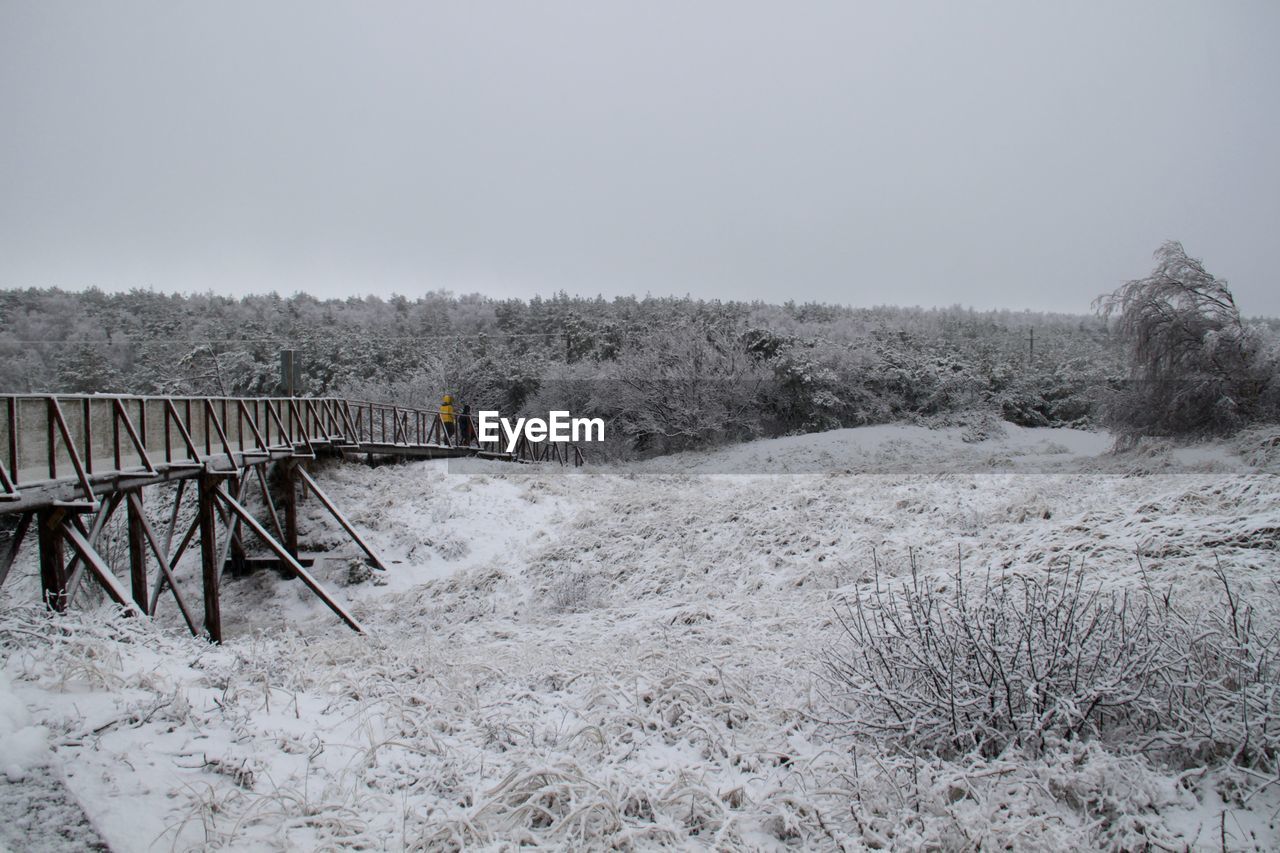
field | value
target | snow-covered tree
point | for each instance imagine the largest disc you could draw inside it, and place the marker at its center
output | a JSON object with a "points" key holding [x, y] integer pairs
{"points": [[1195, 366]]}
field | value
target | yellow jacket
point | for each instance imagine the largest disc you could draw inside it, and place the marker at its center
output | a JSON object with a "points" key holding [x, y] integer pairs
{"points": [[446, 410]]}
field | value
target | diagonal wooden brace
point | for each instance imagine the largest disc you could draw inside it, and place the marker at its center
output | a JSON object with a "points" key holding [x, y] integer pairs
{"points": [[283, 553], [99, 568], [341, 519]]}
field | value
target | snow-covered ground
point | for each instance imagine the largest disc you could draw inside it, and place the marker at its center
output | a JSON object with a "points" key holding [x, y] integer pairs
{"points": [[625, 656]]}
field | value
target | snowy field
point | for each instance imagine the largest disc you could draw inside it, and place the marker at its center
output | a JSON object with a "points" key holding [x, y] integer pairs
{"points": [[627, 657]]}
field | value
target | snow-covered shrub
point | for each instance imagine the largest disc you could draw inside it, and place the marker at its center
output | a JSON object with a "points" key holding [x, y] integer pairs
{"points": [[359, 571], [452, 545], [576, 592], [817, 385], [1081, 796], [1260, 448], [1059, 388], [1027, 663], [688, 386]]}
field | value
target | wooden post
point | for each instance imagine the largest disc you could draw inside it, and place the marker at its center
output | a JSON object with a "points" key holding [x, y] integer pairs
{"points": [[260, 472], [137, 552], [53, 564], [166, 573], [289, 489], [238, 556], [11, 553], [208, 516]]}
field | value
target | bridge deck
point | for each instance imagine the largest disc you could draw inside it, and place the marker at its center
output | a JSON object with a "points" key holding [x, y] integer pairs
{"points": [[67, 463], [59, 449]]}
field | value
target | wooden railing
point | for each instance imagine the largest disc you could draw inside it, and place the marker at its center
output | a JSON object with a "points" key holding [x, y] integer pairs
{"points": [[85, 438]]}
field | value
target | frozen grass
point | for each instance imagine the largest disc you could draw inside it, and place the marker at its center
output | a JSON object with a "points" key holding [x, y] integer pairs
{"points": [[634, 659]]}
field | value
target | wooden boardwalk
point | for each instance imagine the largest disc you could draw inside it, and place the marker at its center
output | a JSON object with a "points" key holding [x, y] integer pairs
{"points": [[68, 463]]}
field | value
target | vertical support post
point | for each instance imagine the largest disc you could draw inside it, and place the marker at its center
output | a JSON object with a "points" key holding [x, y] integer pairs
{"points": [[53, 563], [11, 552], [115, 437], [52, 438], [289, 489], [13, 440], [87, 415], [210, 569], [238, 556], [137, 552]]}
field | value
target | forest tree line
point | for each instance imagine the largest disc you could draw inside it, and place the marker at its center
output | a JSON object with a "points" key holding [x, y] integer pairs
{"points": [[667, 373]]}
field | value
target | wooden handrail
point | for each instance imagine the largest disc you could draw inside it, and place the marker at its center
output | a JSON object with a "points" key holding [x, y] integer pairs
{"points": [[42, 446]]}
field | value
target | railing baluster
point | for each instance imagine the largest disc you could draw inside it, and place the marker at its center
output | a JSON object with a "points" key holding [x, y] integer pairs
{"points": [[188, 423], [115, 435], [52, 432], [14, 474], [88, 435]]}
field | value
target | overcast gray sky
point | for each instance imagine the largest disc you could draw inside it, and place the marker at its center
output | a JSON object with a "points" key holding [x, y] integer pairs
{"points": [[1020, 154]]}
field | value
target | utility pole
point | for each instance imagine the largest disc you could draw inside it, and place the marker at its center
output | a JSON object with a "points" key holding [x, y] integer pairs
{"points": [[290, 373], [1031, 347]]}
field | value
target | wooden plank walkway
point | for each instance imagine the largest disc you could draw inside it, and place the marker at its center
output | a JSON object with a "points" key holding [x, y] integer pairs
{"points": [[67, 458]]}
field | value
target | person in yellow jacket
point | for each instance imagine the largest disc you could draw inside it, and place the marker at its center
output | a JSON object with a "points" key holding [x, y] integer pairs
{"points": [[446, 417]]}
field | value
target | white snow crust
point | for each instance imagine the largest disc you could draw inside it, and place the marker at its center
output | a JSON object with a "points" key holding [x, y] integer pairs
{"points": [[626, 656]]}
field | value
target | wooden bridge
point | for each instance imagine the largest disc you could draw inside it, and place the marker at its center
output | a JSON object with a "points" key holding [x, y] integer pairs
{"points": [[69, 462]]}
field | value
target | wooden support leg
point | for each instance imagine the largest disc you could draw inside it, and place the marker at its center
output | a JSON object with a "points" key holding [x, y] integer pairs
{"points": [[238, 555], [76, 568], [137, 552], [289, 488], [166, 571], [53, 564], [260, 472], [174, 559], [173, 515], [11, 552], [209, 556], [232, 548]]}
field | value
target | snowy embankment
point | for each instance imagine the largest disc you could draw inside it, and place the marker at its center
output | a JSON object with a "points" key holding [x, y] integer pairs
{"points": [[631, 656]]}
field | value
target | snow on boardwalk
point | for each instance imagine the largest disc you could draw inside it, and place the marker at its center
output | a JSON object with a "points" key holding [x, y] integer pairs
{"points": [[627, 656]]}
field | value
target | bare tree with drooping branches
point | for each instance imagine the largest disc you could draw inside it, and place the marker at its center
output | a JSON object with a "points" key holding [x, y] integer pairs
{"points": [[1195, 366]]}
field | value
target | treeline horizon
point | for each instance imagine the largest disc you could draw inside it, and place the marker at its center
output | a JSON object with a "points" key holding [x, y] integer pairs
{"points": [[668, 372], [560, 295]]}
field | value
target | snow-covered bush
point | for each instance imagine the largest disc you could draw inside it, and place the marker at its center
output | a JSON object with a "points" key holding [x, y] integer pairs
{"points": [[1026, 663], [691, 385], [1260, 447], [576, 592]]}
